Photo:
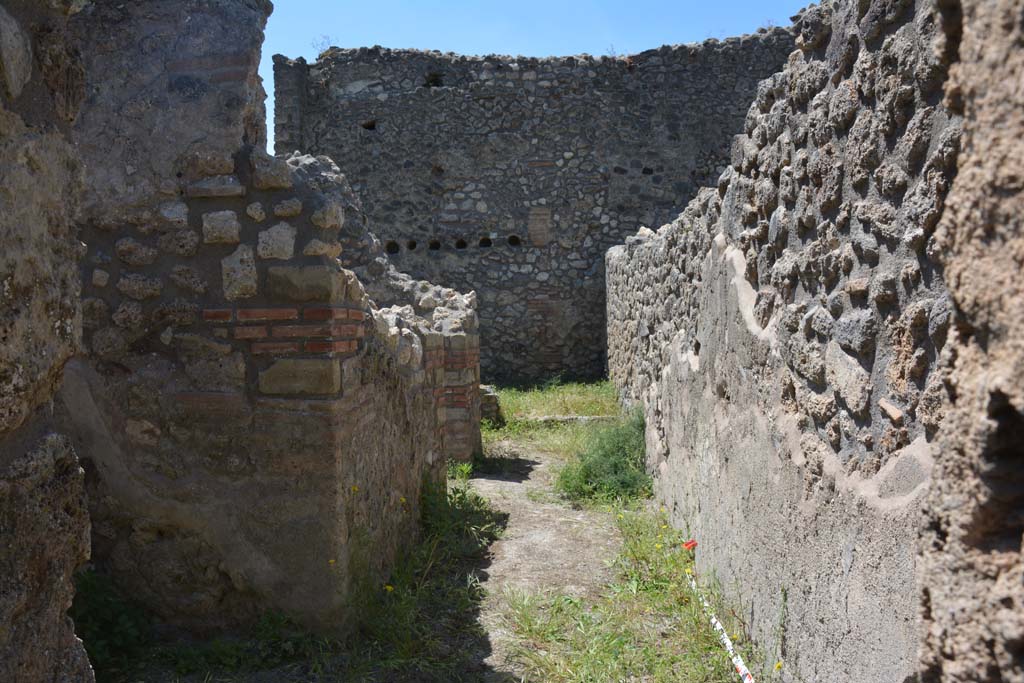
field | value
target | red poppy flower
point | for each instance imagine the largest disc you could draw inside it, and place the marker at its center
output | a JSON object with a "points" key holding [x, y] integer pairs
{"points": [[690, 545]]}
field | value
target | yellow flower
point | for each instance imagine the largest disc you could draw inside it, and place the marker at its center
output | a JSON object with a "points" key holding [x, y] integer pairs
{"points": [[388, 587], [689, 571], [331, 561], [402, 500], [620, 516], [355, 489], [664, 526], [663, 508], [778, 665], [657, 546]]}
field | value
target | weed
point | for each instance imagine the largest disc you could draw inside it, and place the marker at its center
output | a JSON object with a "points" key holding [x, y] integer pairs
{"points": [[274, 641], [459, 471], [610, 466], [112, 627], [421, 625], [648, 626]]}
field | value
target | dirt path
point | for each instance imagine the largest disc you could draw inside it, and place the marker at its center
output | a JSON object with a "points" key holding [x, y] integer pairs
{"points": [[547, 547]]}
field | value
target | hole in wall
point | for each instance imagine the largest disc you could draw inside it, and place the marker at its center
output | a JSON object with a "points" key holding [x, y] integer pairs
{"points": [[485, 242], [434, 245], [369, 125], [436, 170], [434, 79], [514, 241], [411, 245], [996, 523], [460, 244], [391, 247]]}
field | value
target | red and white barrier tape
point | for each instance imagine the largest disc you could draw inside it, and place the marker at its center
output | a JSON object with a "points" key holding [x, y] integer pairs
{"points": [[737, 661]]}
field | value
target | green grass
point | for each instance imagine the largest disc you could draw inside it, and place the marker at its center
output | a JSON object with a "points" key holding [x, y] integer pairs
{"points": [[610, 466], [554, 398], [649, 626], [424, 627], [522, 408], [604, 461]]}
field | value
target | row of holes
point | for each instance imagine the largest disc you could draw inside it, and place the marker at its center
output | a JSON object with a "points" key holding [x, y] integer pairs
{"points": [[393, 247]]}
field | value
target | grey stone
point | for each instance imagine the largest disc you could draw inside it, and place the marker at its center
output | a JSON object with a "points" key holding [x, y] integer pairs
{"points": [[221, 227], [238, 274], [856, 331], [216, 187], [277, 242]]}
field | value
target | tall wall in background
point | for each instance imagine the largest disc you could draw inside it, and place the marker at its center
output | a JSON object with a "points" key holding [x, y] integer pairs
{"points": [[785, 338], [44, 526], [261, 395], [512, 176]]}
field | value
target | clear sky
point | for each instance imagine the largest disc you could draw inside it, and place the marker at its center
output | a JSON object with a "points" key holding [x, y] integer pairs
{"points": [[535, 28]]}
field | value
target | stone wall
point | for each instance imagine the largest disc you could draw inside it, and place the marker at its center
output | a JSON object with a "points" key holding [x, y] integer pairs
{"points": [[785, 334], [971, 573], [512, 176], [44, 526], [262, 396]]}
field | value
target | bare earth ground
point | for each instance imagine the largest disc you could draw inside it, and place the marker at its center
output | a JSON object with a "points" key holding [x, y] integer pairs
{"points": [[546, 548]]}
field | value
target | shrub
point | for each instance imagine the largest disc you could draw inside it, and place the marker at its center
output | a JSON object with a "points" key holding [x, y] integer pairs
{"points": [[113, 628], [611, 465]]}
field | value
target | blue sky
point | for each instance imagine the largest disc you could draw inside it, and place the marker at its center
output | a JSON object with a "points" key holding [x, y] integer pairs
{"points": [[536, 28]]}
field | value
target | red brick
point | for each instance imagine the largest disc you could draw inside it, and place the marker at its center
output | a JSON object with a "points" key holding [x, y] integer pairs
{"points": [[245, 314], [324, 313], [217, 315], [354, 314], [331, 346], [251, 332], [275, 347], [347, 330], [291, 331]]}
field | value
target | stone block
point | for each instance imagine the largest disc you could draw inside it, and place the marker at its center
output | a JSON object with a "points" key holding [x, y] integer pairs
{"points": [[256, 212], [221, 227], [317, 247], [307, 283], [216, 187], [289, 208], [134, 253], [845, 375], [238, 272], [277, 242], [270, 173], [330, 216], [139, 286], [301, 376]]}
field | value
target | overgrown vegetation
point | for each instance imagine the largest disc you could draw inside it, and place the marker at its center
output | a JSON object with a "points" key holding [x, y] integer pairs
{"points": [[604, 459], [649, 626], [113, 628], [610, 466], [274, 642], [557, 398], [424, 627]]}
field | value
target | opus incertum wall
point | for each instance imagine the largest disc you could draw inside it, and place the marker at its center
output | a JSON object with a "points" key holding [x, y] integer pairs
{"points": [[513, 176]]}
